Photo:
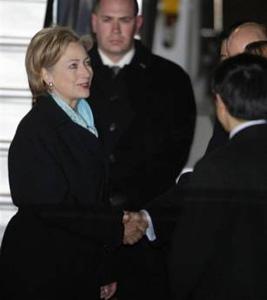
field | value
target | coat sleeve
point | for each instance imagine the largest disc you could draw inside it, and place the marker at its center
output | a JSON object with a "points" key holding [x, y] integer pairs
{"points": [[62, 185]]}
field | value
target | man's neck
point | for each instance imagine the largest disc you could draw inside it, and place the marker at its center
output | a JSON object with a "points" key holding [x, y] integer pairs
{"points": [[234, 122], [118, 60]]}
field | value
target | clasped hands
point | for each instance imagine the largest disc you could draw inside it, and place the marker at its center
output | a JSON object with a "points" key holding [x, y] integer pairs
{"points": [[135, 225]]}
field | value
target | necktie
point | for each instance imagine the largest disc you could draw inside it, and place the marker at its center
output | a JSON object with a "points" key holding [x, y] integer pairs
{"points": [[115, 70]]}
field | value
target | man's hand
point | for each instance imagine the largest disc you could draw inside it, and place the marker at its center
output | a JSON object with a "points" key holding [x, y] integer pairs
{"points": [[107, 291], [135, 225]]}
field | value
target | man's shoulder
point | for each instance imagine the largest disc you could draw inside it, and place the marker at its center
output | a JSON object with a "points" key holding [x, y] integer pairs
{"points": [[165, 63], [213, 161], [216, 156]]}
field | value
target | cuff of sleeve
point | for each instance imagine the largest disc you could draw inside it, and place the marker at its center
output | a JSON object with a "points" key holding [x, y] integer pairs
{"points": [[184, 171], [150, 232]]}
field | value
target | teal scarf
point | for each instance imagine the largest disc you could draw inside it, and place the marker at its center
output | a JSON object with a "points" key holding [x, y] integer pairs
{"points": [[81, 115]]}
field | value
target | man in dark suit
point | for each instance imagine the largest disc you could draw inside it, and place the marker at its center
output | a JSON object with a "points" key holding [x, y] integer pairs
{"points": [[218, 248], [219, 244], [145, 114]]}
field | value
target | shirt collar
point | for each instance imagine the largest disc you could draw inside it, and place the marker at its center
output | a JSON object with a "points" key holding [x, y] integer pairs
{"points": [[121, 63], [245, 125]]}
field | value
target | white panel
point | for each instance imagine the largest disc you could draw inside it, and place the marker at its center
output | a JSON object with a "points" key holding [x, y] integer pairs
{"points": [[21, 18], [11, 113], [4, 185], [12, 70]]}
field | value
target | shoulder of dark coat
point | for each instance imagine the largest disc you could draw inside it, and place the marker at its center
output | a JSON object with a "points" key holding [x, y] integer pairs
{"points": [[44, 114], [167, 64], [158, 63]]}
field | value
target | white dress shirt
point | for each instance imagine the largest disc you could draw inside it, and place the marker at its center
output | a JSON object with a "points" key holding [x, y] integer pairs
{"points": [[121, 63]]}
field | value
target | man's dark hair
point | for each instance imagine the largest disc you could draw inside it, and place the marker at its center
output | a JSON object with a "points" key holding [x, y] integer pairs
{"points": [[241, 81], [96, 4], [258, 48]]}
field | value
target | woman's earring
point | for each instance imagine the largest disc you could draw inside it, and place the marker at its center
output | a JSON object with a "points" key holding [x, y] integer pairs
{"points": [[50, 85]]}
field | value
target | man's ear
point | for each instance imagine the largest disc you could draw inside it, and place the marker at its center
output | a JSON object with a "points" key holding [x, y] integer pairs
{"points": [[222, 111], [219, 103], [139, 23]]}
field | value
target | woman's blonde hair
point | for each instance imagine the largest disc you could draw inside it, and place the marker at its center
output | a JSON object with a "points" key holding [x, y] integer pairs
{"points": [[44, 51]]}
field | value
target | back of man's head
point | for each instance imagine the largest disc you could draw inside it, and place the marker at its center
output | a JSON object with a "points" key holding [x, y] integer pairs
{"points": [[241, 83], [244, 34]]}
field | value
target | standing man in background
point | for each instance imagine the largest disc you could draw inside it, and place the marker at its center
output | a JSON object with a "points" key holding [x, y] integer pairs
{"points": [[235, 42], [145, 112]]}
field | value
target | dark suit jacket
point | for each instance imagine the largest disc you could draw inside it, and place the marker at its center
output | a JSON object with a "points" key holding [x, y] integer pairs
{"points": [[146, 117], [56, 243], [219, 137], [219, 243]]}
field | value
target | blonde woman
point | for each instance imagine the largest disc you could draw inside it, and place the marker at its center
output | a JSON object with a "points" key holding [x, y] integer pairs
{"points": [[64, 230]]}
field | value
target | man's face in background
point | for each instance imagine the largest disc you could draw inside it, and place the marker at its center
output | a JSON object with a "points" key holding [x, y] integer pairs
{"points": [[115, 26]]}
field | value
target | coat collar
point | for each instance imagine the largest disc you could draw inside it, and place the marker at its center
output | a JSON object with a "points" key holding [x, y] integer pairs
{"points": [[251, 132], [51, 111], [246, 125]]}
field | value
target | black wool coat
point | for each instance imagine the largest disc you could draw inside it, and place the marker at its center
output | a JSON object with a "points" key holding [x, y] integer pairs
{"points": [[53, 248], [146, 119], [219, 242], [219, 137]]}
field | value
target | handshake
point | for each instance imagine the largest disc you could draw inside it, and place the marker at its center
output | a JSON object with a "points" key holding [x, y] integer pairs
{"points": [[135, 225]]}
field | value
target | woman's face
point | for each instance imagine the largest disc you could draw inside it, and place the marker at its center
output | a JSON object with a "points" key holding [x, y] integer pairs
{"points": [[71, 76]]}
